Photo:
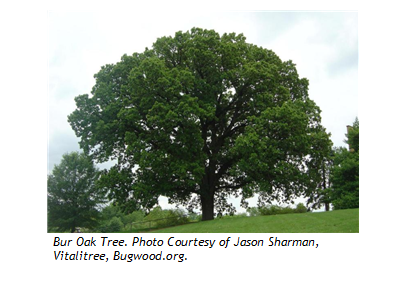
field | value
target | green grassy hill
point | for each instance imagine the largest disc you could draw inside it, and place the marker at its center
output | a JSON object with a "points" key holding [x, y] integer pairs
{"points": [[340, 221]]}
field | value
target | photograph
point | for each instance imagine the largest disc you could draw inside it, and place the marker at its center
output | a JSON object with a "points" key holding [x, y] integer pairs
{"points": [[222, 122]]}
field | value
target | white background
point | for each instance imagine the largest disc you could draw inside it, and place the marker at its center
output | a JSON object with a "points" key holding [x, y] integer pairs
{"points": [[375, 260]]}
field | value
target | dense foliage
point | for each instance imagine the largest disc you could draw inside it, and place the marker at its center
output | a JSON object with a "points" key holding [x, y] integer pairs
{"points": [[72, 194], [199, 117], [345, 179], [114, 220], [275, 210], [165, 218]]}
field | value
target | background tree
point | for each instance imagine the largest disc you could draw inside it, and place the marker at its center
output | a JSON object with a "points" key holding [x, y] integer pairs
{"points": [[322, 197], [345, 177], [113, 219], [200, 117], [353, 136], [72, 194]]}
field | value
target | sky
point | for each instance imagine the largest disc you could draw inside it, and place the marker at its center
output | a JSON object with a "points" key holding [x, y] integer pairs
{"points": [[323, 45]]}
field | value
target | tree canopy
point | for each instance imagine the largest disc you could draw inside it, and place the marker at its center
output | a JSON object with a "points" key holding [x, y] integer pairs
{"points": [[72, 194], [199, 117]]}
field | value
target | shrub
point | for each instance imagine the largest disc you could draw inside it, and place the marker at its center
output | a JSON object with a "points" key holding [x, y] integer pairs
{"points": [[164, 218], [176, 217], [300, 208], [253, 211], [347, 201], [112, 226], [275, 209], [194, 217], [134, 217], [110, 211], [270, 210], [285, 210]]}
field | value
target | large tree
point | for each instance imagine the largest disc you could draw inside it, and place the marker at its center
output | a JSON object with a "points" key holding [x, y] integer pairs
{"points": [[72, 194], [200, 117]]}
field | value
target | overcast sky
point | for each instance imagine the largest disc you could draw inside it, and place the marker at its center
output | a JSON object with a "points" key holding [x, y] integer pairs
{"points": [[323, 45]]}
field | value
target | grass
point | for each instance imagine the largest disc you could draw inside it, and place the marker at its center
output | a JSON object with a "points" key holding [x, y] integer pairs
{"points": [[339, 221]]}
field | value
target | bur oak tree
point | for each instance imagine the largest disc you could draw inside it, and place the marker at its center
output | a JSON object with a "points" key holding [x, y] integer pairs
{"points": [[72, 194], [200, 117]]}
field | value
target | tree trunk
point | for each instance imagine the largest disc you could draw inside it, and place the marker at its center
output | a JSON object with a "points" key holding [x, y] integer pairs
{"points": [[327, 204], [207, 207], [207, 191]]}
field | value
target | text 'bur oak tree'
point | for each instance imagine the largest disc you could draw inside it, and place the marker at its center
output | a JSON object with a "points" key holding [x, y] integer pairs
{"points": [[200, 117]]}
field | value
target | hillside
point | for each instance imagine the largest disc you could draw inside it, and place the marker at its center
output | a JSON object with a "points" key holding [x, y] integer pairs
{"points": [[340, 221]]}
